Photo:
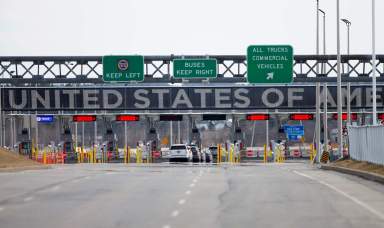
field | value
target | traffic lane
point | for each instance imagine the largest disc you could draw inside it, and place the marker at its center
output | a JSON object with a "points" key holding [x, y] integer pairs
{"points": [[200, 208], [141, 197], [278, 196], [17, 184]]}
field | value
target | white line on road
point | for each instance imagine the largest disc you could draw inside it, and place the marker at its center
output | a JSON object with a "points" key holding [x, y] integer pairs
{"points": [[182, 201], [354, 199], [175, 213], [188, 192], [28, 199], [167, 226], [192, 185], [195, 180], [76, 181], [1, 209]]}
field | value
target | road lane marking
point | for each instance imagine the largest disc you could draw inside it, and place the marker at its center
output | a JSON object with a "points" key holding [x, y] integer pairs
{"points": [[182, 201], [166, 226], [352, 198], [195, 180], [188, 192], [57, 187], [1, 209], [175, 213], [192, 185], [28, 199]]}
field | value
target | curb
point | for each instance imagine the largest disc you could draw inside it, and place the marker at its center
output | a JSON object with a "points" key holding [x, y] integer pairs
{"points": [[363, 174], [23, 168]]}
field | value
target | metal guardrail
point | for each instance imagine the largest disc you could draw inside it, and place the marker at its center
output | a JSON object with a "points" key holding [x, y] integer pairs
{"points": [[366, 143], [231, 68]]}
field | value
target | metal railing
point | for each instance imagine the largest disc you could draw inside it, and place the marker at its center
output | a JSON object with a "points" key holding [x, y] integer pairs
{"points": [[231, 68], [366, 143]]}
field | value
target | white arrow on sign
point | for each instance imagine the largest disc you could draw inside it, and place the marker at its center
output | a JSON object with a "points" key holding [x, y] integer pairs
{"points": [[270, 76]]}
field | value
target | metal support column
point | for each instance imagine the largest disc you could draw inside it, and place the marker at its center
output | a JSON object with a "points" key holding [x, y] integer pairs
{"points": [[37, 133], [267, 133], [95, 133], [178, 132], [82, 136], [170, 133], [1, 120], [75, 136], [125, 135], [349, 104]]}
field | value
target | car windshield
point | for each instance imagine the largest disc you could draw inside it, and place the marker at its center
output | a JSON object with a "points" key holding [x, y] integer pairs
{"points": [[178, 147]]}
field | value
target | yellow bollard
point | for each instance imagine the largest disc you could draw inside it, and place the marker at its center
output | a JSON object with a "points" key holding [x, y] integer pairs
{"points": [[265, 158], [94, 154], [128, 155], [137, 155], [44, 156], [218, 153], [125, 154]]}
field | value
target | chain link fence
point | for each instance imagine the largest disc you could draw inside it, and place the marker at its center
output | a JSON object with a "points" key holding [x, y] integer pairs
{"points": [[366, 143]]}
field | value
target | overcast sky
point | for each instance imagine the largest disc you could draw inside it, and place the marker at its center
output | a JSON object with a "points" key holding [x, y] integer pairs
{"points": [[154, 27]]}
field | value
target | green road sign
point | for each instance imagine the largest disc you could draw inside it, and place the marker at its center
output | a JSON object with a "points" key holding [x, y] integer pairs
{"points": [[119, 68], [194, 68], [270, 64]]}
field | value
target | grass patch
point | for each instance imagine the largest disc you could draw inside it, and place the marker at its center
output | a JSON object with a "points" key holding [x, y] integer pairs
{"points": [[359, 165]]}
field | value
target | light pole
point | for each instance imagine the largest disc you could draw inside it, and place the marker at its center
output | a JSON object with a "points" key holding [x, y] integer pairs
{"points": [[317, 33], [324, 42], [339, 98], [374, 114], [348, 24]]}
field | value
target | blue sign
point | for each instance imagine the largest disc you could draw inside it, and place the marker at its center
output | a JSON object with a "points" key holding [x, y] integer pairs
{"points": [[294, 137], [294, 132], [44, 118], [294, 129]]}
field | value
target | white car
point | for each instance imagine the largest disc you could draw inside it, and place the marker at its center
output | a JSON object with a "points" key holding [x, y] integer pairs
{"points": [[179, 152]]}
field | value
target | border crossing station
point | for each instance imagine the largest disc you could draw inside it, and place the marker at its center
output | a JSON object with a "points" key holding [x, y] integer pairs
{"points": [[113, 108]]}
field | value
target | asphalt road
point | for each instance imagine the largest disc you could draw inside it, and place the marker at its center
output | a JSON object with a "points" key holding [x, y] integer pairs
{"points": [[168, 196]]}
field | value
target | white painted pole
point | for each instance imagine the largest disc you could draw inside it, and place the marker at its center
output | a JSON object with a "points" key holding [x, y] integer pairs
{"points": [[374, 114], [325, 117], [318, 127], [339, 97], [253, 133]]}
